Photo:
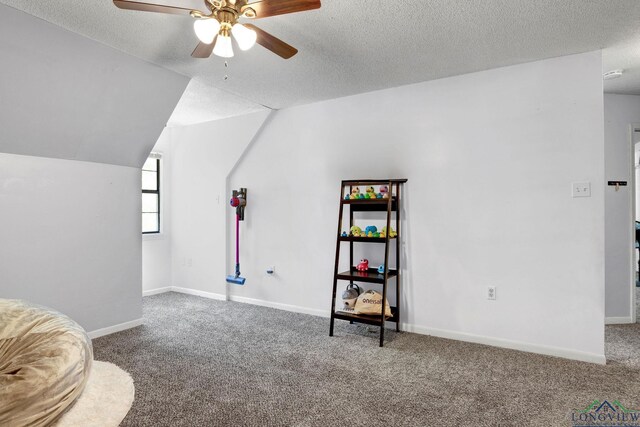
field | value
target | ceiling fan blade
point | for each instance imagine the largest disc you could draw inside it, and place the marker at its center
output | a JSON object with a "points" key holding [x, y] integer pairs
{"points": [[204, 50], [272, 43], [150, 7], [265, 8]]}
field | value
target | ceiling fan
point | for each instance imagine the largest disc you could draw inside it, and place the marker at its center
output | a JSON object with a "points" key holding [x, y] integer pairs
{"points": [[215, 26]]}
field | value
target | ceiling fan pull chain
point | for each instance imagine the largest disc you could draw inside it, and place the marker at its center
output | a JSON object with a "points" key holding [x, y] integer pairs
{"points": [[226, 65]]}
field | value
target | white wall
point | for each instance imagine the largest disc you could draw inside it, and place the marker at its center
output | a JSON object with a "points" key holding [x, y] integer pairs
{"points": [[156, 248], [202, 157], [69, 97], [490, 159], [70, 238], [636, 167], [620, 111]]}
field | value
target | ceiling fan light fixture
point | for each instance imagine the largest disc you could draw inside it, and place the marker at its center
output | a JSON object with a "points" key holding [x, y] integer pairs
{"points": [[248, 12], [206, 29], [215, 21], [245, 37], [223, 46]]}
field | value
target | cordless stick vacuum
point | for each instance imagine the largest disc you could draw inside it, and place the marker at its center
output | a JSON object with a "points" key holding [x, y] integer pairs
{"points": [[238, 201]]}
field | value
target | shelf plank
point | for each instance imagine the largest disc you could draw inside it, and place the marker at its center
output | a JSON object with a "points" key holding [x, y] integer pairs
{"points": [[363, 318], [370, 276], [356, 182], [369, 205], [365, 201], [365, 239]]}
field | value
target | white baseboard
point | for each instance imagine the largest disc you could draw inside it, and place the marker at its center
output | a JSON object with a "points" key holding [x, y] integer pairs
{"points": [[245, 300], [504, 343], [197, 293], [156, 291], [441, 333], [280, 306], [115, 328], [460, 336], [618, 320], [187, 291]]}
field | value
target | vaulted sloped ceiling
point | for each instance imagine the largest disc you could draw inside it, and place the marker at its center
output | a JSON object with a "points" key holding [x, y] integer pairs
{"points": [[65, 96], [355, 46]]}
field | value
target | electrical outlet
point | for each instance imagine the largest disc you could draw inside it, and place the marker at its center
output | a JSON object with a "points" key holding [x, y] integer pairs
{"points": [[491, 293], [581, 189]]}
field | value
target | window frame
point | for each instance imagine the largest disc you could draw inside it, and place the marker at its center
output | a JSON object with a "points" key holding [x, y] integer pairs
{"points": [[157, 192]]}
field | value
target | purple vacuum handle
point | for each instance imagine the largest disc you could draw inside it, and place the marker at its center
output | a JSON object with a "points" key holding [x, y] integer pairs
{"points": [[237, 245]]}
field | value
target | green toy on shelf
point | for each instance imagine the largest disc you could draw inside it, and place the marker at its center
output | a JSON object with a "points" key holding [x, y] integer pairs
{"points": [[371, 193], [392, 233]]}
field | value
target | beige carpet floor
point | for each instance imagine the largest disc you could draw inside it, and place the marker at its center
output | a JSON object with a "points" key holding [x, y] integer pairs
{"points": [[622, 342], [200, 362]]}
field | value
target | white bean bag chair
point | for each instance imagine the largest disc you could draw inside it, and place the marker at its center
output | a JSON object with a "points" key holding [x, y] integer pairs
{"points": [[45, 360]]}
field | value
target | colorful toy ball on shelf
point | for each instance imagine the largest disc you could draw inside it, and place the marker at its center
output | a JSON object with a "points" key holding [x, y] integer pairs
{"points": [[355, 193], [356, 231], [370, 229], [346, 197], [364, 265], [344, 234], [381, 269], [379, 196], [367, 196], [384, 190], [361, 196]]}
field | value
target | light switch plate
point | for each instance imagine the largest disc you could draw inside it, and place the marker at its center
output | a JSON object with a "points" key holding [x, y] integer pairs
{"points": [[581, 189]]}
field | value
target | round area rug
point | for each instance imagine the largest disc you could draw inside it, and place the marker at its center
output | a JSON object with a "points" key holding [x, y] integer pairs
{"points": [[105, 401]]}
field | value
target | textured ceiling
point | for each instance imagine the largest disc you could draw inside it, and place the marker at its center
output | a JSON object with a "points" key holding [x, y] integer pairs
{"points": [[202, 102], [624, 55], [354, 46]]}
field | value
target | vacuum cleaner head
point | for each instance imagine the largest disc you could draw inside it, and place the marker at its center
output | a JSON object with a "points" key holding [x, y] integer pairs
{"points": [[236, 280]]}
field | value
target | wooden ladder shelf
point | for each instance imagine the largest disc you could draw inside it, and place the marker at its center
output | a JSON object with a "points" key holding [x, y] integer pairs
{"points": [[388, 205]]}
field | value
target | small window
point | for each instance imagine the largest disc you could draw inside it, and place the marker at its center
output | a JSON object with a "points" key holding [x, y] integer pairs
{"points": [[151, 195]]}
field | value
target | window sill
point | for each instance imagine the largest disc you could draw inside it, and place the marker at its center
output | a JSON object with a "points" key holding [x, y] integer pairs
{"points": [[152, 236]]}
